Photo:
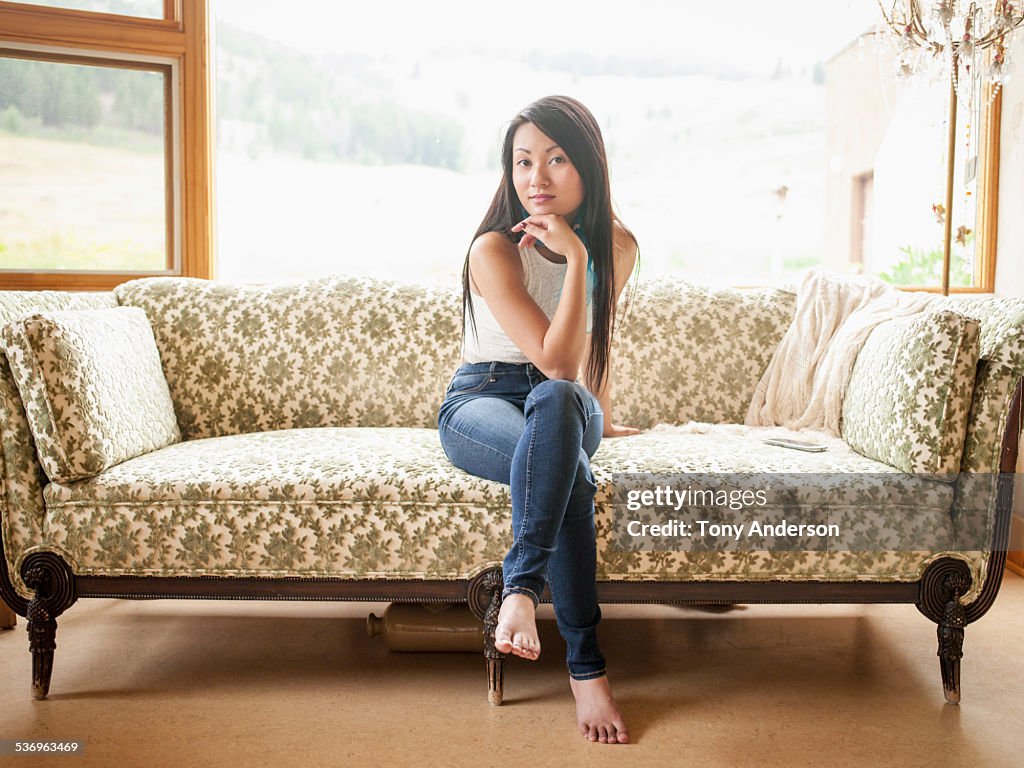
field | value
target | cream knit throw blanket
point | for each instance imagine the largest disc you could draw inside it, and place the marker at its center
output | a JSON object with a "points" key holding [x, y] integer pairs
{"points": [[804, 384]]}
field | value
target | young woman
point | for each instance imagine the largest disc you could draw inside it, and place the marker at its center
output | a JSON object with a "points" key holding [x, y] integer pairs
{"points": [[540, 285]]}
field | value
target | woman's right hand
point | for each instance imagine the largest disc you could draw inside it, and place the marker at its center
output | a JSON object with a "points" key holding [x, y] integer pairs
{"points": [[556, 234]]}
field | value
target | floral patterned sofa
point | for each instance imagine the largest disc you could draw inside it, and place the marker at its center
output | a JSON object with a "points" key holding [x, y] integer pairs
{"points": [[189, 439]]}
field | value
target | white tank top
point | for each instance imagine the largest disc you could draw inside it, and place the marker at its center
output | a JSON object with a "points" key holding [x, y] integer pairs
{"points": [[543, 280]]}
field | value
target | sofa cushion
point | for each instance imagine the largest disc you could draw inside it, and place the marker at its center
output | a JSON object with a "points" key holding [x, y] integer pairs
{"points": [[386, 503], [910, 392], [93, 388]]}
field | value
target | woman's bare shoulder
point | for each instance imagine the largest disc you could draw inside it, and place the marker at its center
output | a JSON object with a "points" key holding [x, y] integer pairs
{"points": [[493, 251], [493, 240], [622, 238], [624, 248]]}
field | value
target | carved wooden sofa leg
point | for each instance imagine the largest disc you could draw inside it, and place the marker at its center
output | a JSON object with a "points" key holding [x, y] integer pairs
{"points": [[485, 601], [494, 658], [53, 583], [943, 584]]}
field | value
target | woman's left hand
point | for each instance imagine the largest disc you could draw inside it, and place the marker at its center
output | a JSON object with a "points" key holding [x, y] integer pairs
{"points": [[556, 234], [617, 430]]}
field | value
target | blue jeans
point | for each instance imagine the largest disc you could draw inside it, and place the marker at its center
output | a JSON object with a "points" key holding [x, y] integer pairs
{"points": [[509, 423]]}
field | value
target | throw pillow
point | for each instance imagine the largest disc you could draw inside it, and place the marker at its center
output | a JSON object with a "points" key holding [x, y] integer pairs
{"points": [[908, 397], [93, 388]]}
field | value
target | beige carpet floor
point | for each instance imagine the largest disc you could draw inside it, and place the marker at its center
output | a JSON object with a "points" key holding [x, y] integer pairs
{"points": [[196, 683]]}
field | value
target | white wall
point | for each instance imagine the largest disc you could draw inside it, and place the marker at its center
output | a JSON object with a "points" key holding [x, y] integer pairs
{"points": [[1010, 244]]}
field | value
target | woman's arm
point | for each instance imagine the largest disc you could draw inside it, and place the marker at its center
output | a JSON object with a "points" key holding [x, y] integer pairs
{"points": [[625, 263], [604, 397], [557, 346]]}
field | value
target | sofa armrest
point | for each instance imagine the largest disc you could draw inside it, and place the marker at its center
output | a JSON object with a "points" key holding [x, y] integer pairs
{"points": [[976, 504], [21, 481], [994, 386], [22, 511]]}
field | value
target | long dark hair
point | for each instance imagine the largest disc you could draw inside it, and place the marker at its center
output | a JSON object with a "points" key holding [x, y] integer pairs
{"points": [[572, 126]]}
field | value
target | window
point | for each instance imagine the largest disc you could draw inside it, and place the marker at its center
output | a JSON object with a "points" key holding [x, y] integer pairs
{"points": [[360, 141], [103, 127], [887, 159], [88, 164], [352, 139], [152, 9]]}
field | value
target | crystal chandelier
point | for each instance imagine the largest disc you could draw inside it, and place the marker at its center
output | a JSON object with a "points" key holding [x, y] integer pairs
{"points": [[954, 35], [957, 38]]}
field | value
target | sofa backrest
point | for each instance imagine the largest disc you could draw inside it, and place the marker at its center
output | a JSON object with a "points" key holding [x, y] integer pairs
{"points": [[334, 351], [363, 352], [688, 352], [342, 351], [1002, 327]]}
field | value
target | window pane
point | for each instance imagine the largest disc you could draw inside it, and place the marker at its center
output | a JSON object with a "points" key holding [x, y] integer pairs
{"points": [[82, 167], [149, 9], [366, 142], [886, 193]]}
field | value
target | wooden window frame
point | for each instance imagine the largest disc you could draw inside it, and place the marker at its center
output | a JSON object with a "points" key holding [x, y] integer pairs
{"points": [[182, 38], [987, 211], [988, 197]]}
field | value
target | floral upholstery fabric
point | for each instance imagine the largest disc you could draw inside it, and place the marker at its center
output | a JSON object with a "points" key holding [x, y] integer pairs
{"points": [[684, 352], [994, 385], [310, 502], [910, 391], [329, 352], [21, 476], [1002, 326], [92, 386], [384, 502], [345, 501], [999, 371], [976, 494], [359, 352], [890, 531]]}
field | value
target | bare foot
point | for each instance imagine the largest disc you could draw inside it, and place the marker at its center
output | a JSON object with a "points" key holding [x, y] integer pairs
{"points": [[516, 632], [596, 714]]}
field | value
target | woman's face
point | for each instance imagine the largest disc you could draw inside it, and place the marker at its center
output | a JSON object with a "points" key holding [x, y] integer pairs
{"points": [[544, 177]]}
